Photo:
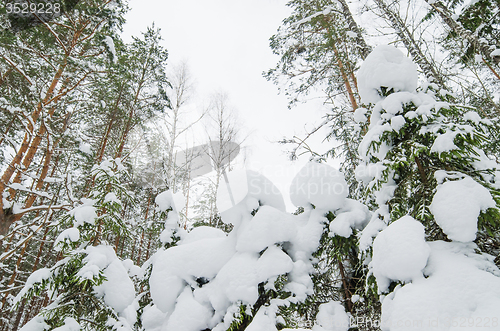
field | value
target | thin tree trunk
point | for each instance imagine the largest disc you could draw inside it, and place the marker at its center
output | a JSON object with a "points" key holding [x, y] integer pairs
{"points": [[364, 49], [20, 310], [140, 249], [482, 47], [109, 128], [347, 84], [411, 45], [6, 218], [14, 274], [347, 294], [39, 185]]}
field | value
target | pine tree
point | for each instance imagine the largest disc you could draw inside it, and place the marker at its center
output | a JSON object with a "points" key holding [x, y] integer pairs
{"points": [[412, 44], [317, 54], [79, 287], [47, 66], [415, 145]]}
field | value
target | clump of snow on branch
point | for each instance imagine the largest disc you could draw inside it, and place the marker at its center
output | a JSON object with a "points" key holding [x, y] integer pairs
{"points": [[164, 202], [386, 67], [110, 44], [353, 215], [460, 286], [400, 253], [331, 317], [118, 290], [456, 207]]}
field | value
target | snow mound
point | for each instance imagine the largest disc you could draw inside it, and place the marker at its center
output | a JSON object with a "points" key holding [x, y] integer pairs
{"points": [[461, 292], [177, 266], [319, 184], [353, 215], [386, 67], [331, 317], [202, 281], [269, 226], [400, 253], [202, 232], [457, 205], [118, 289], [167, 199], [262, 321], [189, 314], [260, 192]]}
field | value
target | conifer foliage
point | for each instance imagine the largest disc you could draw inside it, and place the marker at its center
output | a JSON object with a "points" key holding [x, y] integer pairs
{"points": [[92, 230]]}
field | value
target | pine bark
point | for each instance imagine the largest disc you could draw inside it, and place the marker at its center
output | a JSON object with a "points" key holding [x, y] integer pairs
{"points": [[364, 49]]}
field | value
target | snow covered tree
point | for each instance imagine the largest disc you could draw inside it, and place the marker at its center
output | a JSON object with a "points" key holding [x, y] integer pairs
{"points": [[89, 288], [434, 191], [320, 45], [252, 277], [103, 91], [407, 35], [317, 54], [475, 27], [43, 70]]}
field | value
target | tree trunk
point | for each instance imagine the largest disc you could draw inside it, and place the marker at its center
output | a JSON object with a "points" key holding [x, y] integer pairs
{"points": [[5, 216], [364, 49], [345, 78], [109, 127], [411, 45], [482, 47], [14, 274], [345, 283]]}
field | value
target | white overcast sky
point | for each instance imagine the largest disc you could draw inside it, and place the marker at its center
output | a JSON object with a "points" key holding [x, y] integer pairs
{"points": [[226, 46]]}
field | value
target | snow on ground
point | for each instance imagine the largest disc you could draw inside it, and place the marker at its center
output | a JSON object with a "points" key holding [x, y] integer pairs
{"points": [[461, 292]]}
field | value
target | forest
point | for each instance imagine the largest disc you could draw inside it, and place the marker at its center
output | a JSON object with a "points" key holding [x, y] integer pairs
{"points": [[97, 180]]}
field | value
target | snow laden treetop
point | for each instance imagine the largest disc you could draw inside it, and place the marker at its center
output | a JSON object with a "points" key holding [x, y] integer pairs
{"points": [[432, 188]]}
